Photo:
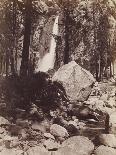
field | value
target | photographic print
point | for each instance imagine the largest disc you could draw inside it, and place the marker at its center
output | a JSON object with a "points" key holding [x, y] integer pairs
{"points": [[57, 77]]}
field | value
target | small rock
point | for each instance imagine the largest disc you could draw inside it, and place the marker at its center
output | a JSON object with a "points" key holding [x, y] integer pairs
{"points": [[108, 140], [51, 145], [72, 123], [81, 125], [49, 136], [76, 120], [105, 150], [58, 131]]}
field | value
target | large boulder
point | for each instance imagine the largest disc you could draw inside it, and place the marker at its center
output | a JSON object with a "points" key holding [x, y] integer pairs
{"points": [[76, 81], [79, 144], [108, 140], [105, 150]]}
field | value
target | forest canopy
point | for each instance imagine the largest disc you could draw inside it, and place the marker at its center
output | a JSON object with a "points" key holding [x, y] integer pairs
{"points": [[86, 34]]}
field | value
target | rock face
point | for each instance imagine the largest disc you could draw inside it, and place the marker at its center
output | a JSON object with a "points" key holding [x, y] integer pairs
{"points": [[76, 81], [105, 150], [80, 144], [58, 131], [108, 140]]}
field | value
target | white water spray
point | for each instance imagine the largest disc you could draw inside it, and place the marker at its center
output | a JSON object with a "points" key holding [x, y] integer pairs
{"points": [[49, 59]]}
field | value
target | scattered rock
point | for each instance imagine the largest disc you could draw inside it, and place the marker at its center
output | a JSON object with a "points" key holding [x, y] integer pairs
{"points": [[51, 145], [80, 144], [58, 131], [49, 136], [76, 81], [105, 150], [108, 140]]}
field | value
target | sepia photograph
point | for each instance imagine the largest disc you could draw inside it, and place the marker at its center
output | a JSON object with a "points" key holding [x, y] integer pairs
{"points": [[57, 77]]}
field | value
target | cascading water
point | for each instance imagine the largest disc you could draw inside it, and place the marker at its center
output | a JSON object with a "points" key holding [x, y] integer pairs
{"points": [[49, 59]]}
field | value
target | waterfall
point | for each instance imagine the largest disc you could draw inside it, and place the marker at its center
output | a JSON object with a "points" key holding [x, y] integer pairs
{"points": [[47, 62]]}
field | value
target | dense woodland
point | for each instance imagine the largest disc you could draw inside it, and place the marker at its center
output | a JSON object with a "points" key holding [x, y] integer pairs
{"points": [[72, 99], [87, 34]]}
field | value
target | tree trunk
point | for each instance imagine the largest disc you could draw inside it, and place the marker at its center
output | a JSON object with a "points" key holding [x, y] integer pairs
{"points": [[7, 63], [26, 42]]}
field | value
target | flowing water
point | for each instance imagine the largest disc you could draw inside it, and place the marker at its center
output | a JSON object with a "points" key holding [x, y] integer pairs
{"points": [[47, 62]]}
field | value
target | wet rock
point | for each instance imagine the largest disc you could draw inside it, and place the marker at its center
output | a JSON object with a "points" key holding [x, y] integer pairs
{"points": [[37, 150], [76, 81], [51, 145], [58, 131], [105, 150], [80, 144], [49, 136], [108, 140]]}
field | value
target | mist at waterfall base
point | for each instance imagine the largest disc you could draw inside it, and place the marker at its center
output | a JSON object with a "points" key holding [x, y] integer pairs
{"points": [[47, 62]]}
